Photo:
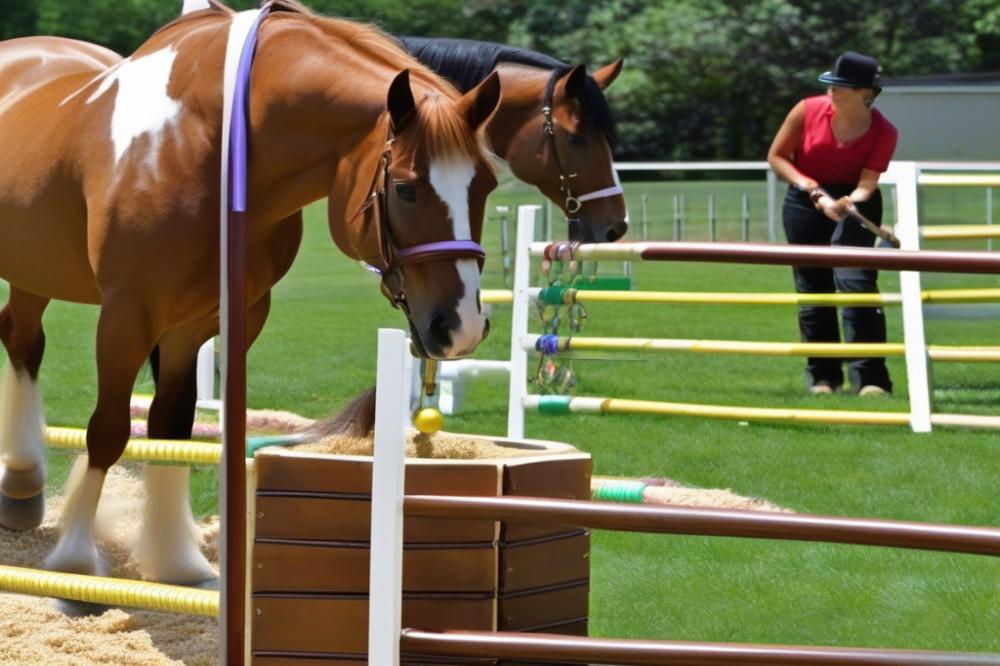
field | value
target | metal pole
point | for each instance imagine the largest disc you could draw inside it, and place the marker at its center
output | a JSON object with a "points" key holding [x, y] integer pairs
{"points": [[683, 206], [548, 220], [677, 217], [505, 242], [772, 206], [745, 217], [645, 219], [711, 218], [989, 216]]}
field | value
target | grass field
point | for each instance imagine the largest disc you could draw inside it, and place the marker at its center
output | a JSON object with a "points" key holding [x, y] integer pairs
{"points": [[318, 348]]}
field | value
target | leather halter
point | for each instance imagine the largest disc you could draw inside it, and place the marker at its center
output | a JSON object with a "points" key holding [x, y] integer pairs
{"points": [[392, 258], [573, 204]]}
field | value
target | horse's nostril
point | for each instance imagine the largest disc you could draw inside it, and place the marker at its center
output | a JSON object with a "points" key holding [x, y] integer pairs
{"points": [[616, 231], [486, 329]]}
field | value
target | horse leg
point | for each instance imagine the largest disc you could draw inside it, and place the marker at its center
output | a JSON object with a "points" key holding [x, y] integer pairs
{"points": [[22, 453], [168, 546], [125, 337], [168, 549]]}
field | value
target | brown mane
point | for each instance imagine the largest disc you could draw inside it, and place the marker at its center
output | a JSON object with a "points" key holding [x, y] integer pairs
{"points": [[441, 130]]}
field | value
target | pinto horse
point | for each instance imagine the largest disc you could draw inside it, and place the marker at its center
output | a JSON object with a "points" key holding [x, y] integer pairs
{"points": [[109, 196], [553, 126]]}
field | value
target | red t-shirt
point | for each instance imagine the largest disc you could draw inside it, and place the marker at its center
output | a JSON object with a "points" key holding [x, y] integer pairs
{"points": [[823, 159]]}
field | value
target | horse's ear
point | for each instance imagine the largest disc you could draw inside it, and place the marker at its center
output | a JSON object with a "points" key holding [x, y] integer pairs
{"points": [[576, 80], [606, 75], [400, 100], [478, 104]]}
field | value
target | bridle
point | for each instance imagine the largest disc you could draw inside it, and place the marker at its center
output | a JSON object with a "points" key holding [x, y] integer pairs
{"points": [[573, 204], [391, 258]]}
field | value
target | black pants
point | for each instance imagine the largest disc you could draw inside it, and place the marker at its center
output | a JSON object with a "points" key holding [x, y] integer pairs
{"points": [[804, 225]]}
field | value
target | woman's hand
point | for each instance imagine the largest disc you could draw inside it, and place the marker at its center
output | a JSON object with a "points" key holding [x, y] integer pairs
{"points": [[832, 208], [808, 184]]}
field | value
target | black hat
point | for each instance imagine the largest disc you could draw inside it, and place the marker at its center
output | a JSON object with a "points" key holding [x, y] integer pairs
{"points": [[853, 70]]}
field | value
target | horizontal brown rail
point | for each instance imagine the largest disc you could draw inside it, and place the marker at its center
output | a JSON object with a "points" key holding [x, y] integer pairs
{"points": [[884, 259], [552, 647], [710, 522], [938, 261]]}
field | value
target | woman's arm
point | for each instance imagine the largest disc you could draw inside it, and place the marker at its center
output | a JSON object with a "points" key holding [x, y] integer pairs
{"points": [[867, 185], [783, 147]]}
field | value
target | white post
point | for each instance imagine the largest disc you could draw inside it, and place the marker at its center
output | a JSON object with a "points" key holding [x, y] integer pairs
{"points": [[385, 582], [206, 371], [521, 306], [772, 206], [914, 341]]}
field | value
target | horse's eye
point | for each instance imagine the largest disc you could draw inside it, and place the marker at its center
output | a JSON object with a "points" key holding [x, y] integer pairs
{"points": [[406, 192], [577, 139]]}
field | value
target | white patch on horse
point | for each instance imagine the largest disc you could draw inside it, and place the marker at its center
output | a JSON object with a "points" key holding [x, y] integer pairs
{"points": [[142, 104], [168, 548], [76, 551], [194, 5], [21, 428], [451, 179]]}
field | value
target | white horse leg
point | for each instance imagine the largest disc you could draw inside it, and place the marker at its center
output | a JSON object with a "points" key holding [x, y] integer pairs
{"points": [[76, 551], [22, 458], [168, 547]]}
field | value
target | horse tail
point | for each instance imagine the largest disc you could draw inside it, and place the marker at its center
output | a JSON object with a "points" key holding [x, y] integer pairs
{"points": [[356, 420]]}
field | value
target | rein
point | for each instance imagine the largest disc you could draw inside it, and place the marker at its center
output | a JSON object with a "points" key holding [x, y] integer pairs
{"points": [[392, 258], [573, 204]]}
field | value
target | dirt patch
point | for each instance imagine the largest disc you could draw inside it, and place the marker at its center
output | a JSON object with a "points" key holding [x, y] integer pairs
{"points": [[33, 631]]}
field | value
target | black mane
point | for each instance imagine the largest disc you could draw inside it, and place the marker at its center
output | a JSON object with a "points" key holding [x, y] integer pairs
{"points": [[467, 62]]}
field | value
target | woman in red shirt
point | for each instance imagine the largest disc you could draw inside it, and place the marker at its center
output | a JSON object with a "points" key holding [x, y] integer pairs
{"points": [[839, 143]]}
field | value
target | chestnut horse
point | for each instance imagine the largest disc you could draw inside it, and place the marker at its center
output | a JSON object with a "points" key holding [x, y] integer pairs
{"points": [[553, 126], [109, 196]]}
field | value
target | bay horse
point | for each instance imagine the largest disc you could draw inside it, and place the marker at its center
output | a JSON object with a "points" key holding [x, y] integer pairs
{"points": [[109, 196], [553, 126]]}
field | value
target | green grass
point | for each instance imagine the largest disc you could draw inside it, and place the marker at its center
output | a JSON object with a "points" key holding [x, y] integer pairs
{"points": [[317, 351]]}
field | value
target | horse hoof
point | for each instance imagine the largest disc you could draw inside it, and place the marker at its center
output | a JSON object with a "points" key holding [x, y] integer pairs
{"points": [[73, 608], [22, 514], [210, 584]]}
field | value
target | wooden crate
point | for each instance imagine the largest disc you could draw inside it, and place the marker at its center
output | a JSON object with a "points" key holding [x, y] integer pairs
{"points": [[309, 564]]}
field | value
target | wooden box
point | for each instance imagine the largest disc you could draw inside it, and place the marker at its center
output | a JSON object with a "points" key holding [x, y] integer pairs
{"points": [[309, 564]]}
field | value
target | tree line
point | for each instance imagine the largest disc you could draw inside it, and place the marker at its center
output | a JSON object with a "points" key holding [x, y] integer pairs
{"points": [[703, 79]]}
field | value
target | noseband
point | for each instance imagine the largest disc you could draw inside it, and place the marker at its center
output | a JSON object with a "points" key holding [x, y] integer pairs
{"points": [[392, 258], [573, 203]]}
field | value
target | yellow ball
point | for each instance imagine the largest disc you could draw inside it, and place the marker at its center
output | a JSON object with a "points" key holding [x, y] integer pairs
{"points": [[428, 420]]}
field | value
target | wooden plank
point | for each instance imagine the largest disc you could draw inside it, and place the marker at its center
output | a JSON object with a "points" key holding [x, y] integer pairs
{"points": [[332, 519], [545, 563], [339, 624], [526, 611], [343, 568], [564, 478], [281, 470]]}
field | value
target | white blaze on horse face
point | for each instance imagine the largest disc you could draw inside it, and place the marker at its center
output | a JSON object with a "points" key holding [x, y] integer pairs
{"points": [[451, 178], [142, 105]]}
